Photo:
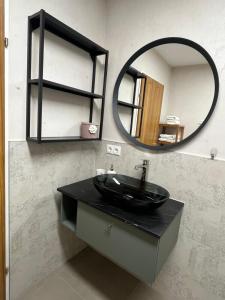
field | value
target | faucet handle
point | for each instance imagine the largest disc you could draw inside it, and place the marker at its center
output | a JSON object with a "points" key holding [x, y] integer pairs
{"points": [[146, 162]]}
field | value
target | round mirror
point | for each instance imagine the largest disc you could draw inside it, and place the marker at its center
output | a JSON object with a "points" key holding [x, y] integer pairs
{"points": [[165, 93]]}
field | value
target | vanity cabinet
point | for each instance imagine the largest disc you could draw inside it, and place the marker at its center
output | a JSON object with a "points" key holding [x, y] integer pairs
{"points": [[139, 243], [136, 251]]}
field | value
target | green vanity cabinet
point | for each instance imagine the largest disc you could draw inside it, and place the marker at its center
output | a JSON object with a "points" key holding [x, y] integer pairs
{"points": [[136, 251], [138, 242]]}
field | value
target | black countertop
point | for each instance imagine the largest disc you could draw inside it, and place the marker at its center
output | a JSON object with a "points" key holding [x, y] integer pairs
{"points": [[154, 222]]}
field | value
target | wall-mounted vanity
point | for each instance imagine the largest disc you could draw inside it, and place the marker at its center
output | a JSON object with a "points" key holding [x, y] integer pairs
{"points": [[140, 242]]}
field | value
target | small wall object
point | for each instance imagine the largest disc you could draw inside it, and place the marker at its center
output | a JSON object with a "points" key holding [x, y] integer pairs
{"points": [[89, 130], [213, 153]]}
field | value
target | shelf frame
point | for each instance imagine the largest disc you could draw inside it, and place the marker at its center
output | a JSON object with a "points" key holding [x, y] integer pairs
{"points": [[44, 21]]}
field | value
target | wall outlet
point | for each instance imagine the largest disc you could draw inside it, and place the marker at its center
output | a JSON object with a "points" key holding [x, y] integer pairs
{"points": [[113, 149], [110, 149], [117, 150]]}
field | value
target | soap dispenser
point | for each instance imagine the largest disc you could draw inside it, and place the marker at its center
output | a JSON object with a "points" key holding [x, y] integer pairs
{"points": [[111, 170]]}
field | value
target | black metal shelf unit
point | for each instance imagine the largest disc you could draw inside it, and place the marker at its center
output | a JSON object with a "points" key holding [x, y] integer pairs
{"points": [[135, 74], [44, 21]]}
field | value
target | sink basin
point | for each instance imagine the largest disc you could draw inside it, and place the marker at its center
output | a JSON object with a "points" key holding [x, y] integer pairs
{"points": [[130, 193]]}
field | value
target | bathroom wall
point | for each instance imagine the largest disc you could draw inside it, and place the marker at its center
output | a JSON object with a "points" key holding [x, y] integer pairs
{"points": [[38, 244], [195, 270], [192, 91]]}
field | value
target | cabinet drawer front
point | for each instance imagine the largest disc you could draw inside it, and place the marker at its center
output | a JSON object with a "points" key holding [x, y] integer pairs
{"points": [[126, 245]]}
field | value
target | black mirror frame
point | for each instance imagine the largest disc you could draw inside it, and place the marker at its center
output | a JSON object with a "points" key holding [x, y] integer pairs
{"points": [[168, 40]]}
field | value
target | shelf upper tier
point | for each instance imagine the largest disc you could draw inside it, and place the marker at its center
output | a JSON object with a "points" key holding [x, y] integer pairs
{"points": [[64, 88], [65, 32]]}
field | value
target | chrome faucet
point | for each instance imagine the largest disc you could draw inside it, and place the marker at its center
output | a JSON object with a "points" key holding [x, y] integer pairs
{"points": [[145, 167]]}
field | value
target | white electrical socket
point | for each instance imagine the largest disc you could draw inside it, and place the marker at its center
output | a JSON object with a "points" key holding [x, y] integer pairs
{"points": [[113, 149], [110, 149], [117, 150]]}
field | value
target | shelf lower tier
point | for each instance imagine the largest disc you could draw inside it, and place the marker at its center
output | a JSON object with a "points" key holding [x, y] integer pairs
{"points": [[60, 139]]}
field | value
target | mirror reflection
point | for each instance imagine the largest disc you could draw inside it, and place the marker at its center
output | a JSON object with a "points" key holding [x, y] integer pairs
{"points": [[166, 94]]}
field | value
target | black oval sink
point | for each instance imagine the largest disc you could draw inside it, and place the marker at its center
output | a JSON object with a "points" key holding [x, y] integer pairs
{"points": [[131, 193]]}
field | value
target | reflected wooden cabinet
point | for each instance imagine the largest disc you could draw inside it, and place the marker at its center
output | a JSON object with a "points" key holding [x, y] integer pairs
{"points": [[151, 97]]}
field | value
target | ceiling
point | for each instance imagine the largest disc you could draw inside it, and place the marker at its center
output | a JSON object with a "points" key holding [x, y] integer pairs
{"points": [[177, 55]]}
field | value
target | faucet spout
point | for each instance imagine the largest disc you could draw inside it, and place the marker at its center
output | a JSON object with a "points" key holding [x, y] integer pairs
{"points": [[145, 167]]}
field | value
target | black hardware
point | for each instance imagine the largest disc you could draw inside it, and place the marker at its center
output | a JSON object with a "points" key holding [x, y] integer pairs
{"points": [[44, 21], [6, 42]]}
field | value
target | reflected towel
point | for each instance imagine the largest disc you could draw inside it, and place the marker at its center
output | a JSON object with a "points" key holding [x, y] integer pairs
{"points": [[167, 140], [168, 136], [172, 122], [171, 117]]}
